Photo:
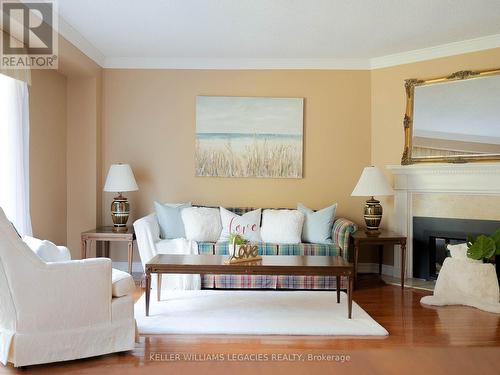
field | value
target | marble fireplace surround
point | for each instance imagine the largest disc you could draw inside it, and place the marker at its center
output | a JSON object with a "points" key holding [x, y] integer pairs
{"points": [[465, 179]]}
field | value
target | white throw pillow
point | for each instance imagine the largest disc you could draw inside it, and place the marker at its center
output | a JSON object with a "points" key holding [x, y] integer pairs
{"points": [[459, 251], [46, 250], [282, 226], [202, 223], [246, 225]]}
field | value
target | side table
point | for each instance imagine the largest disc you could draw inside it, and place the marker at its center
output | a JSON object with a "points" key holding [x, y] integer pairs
{"points": [[106, 235], [381, 237]]}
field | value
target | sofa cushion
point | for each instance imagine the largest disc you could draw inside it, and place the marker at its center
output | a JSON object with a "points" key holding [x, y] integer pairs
{"points": [[202, 223], [206, 247], [122, 283], [222, 248], [282, 226], [309, 249], [317, 224], [246, 225], [170, 220]]}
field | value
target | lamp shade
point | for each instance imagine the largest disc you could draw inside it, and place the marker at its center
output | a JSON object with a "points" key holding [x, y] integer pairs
{"points": [[372, 183], [120, 179]]}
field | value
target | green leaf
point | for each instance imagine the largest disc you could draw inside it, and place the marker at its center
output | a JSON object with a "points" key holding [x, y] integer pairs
{"points": [[496, 237], [483, 247], [238, 240]]}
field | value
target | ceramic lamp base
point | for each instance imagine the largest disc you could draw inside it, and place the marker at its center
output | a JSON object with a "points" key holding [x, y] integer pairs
{"points": [[372, 214], [120, 210]]}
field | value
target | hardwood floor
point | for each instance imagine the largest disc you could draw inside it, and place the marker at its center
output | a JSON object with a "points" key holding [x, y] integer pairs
{"points": [[421, 340]]}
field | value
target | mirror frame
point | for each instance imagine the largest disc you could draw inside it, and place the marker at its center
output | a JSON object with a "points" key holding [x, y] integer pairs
{"points": [[410, 85]]}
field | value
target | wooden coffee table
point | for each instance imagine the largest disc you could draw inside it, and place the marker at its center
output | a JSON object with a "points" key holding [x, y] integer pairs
{"points": [[269, 265]]}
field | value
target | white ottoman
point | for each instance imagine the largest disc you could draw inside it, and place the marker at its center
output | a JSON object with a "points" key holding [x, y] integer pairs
{"points": [[461, 282]]}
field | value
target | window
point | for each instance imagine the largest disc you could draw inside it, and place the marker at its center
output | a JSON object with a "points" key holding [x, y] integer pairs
{"points": [[14, 152]]}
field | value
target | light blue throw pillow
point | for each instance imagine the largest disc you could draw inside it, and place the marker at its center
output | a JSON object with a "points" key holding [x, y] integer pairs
{"points": [[170, 220], [318, 225]]}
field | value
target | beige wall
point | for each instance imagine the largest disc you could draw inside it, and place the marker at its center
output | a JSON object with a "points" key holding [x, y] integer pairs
{"points": [[48, 155], [83, 142], [82, 172], [65, 163], [149, 122]]}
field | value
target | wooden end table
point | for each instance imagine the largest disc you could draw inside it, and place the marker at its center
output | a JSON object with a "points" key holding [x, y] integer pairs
{"points": [[381, 237], [106, 235], [269, 265]]}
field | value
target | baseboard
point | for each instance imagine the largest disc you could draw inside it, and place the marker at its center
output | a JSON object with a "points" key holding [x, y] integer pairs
{"points": [[373, 268], [123, 266]]}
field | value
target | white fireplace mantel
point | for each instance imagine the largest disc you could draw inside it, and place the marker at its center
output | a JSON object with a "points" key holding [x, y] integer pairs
{"points": [[471, 178]]}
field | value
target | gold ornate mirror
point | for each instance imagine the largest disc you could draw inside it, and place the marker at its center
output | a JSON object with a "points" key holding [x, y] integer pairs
{"points": [[453, 119]]}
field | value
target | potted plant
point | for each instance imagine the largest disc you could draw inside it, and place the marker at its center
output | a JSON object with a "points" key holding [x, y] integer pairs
{"points": [[484, 248]]}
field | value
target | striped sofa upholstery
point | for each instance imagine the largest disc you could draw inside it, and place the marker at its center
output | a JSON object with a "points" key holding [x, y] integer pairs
{"points": [[342, 229]]}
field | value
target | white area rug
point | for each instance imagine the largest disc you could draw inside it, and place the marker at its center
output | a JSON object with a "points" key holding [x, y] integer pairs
{"points": [[254, 313]]}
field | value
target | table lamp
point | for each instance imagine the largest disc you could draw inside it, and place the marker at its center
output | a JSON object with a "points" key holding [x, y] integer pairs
{"points": [[372, 182], [120, 179]]}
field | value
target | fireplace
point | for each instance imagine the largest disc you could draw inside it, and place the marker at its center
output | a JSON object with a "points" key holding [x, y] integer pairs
{"points": [[431, 236], [473, 179]]}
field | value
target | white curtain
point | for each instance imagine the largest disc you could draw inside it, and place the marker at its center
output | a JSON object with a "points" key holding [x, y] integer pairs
{"points": [[14, 153]]}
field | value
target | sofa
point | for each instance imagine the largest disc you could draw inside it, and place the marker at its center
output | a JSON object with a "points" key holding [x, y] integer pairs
{"points": [[149, 244]]}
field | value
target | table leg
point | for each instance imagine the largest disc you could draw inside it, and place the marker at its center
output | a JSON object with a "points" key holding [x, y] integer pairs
{"points": [[356, 252], [106, 249], [338, 289], [349, 296], [380, 258], [130, 256], [403, 263], [83, 249], [158, 286], [148, 290], [97, 247]]}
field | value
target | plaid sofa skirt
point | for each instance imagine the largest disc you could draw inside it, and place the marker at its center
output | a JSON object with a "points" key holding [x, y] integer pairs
{"points": [[269, 281]]}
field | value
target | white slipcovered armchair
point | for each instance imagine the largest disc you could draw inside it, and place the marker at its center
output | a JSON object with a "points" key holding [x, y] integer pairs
{"points": [[58, 311]]}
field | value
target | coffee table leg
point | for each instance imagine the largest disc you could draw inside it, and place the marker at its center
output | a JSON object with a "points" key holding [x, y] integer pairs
{"points": [[338, 289], [349, 296], [148, 291]]}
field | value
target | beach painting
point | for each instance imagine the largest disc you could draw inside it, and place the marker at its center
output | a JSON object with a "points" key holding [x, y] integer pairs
{"points": [[249, 137]]}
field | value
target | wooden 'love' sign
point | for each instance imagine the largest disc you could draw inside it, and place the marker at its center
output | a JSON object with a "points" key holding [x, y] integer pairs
{"points": [[245, 253]]}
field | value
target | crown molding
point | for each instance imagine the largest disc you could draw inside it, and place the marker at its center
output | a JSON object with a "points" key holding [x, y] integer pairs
{"points": [[442, 50], [234, 64], [79, 41], [424, 54]]}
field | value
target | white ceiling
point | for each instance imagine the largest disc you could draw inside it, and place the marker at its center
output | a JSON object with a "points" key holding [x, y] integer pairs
{"points": [[287, 33]]}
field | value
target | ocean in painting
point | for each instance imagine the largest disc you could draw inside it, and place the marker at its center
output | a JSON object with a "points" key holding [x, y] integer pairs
{"points": [[249, 155]]}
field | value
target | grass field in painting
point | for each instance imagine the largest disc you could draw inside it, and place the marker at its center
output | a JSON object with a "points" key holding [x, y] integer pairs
{"points": [[247, 155]]}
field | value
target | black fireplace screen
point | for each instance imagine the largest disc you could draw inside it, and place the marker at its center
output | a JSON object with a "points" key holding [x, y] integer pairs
{"points": [[432, 235]]}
